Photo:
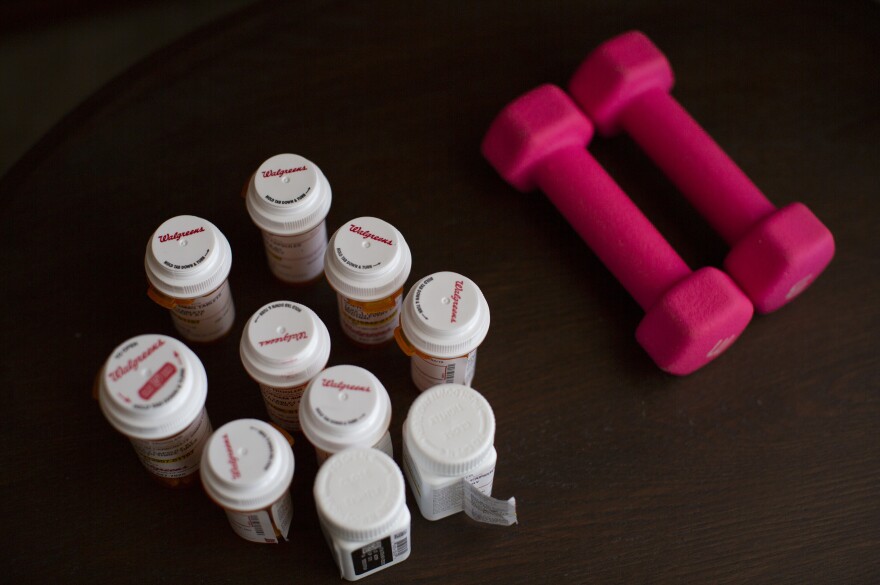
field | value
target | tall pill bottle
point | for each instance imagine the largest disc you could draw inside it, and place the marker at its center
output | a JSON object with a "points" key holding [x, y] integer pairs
{"points": [[367, 264], [444, 318], [187, 263], [448, 435], [346, 406], [288, 198], [247, 468], [361, 503], [152, 389], [283, 346]]}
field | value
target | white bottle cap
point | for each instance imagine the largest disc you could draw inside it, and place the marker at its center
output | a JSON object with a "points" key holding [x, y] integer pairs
{"points": [[445, 315], [344, 406], [187, 257], [247, 465], [288, 195], [284, 344], [359, 494], [152, 387], [449, 430], [367, 259]]}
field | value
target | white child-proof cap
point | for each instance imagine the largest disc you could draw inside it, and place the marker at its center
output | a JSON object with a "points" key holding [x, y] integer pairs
{"points": [[288, 195], [187, 257], [247, 465], [367, 259], [445, 315], [344, 406], [359, 494], [284, 344], [152, 387], [449, 430]]}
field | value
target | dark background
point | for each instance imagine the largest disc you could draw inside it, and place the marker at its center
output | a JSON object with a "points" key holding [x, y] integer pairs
{"points": [[763, 467]]}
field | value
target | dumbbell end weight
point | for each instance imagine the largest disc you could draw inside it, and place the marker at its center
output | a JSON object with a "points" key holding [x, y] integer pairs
{"points": [[694, 322], [780, 256]]}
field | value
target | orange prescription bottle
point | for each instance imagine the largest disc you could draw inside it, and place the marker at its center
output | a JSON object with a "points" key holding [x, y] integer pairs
{"points": [[187, 263], [367, 263], [152, 389], [288, 198], [346, 406], [247, 468], [444, 318], [284, 346]]}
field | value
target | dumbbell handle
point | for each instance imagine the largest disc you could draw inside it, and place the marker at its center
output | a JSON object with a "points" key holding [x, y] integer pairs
{"points": [[610, 223], [706, 176]]}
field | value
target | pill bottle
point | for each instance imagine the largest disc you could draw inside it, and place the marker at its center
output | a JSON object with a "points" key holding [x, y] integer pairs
{"points": [[367, 264], [288, 198], [443, 320], [362, 511], [188, 262], [152, 389], [283, 346], [247, 467], [448, 435], [345, 406]]}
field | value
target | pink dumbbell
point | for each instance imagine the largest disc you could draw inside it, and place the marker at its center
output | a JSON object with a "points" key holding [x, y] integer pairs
{"points": [[539, 141], [775, 253]]}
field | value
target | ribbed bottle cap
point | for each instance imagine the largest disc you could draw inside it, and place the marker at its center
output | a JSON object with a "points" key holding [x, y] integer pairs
{"points": [[359, 494], [288, 195], [445, 315], [247, 465], [187, 257], [344, 406], [450, 428], [284, 344], [367, 259], [152, 387]]}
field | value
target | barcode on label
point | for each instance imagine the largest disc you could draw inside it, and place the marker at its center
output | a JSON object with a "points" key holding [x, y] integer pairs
{"points": [[401, 544], [255, 523], [450, 373]]}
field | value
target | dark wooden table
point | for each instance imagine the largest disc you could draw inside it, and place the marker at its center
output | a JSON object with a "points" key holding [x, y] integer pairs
{"points": [[764, 467]]}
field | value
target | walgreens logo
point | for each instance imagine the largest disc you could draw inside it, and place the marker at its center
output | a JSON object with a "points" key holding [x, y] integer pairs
{"points": [[330, 383], [456, 297], [177, 235], [368, 235], [282, 172], [286, 338]]}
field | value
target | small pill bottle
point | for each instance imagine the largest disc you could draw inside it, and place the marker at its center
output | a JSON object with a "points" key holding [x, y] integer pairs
{"points": [[444, 319], [247, 468], [367, 264], [448, 435], [188, 262], [284, 346], [288, 198], [345, 406], [361, 503], [152, 389]]}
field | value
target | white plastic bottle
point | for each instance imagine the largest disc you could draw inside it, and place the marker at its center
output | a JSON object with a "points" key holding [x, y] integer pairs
{"points": [[361, 503], [288, 198], [345, 406], [152, 389], [284, 346], [187, 263], [367, 263], [247, 468], [444, 318], [448, 436]]}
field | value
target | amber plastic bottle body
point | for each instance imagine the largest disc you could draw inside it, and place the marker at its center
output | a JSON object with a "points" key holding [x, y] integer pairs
{"points": [[174, 461], [370, 323], [205, 319]]}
